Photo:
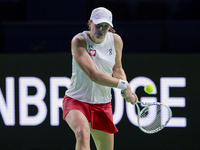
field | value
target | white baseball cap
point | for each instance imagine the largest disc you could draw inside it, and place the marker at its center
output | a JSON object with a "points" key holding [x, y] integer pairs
{"points": [[100, 15]]}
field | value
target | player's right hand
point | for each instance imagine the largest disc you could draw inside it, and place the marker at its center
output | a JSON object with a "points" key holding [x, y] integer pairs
{"points": [[129, 96]]}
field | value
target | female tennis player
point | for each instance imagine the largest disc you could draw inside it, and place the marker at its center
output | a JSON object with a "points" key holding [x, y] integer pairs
{"points": [[96, 68]]}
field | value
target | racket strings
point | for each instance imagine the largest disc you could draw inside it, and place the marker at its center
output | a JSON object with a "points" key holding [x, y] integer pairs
{"points": [[151, 119]]}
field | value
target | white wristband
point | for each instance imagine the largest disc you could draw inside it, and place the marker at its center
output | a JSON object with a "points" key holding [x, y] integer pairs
{"points": [[122, 84]]}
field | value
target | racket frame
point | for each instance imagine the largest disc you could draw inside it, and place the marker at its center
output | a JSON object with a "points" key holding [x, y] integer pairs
{"points": [[146, 107]]}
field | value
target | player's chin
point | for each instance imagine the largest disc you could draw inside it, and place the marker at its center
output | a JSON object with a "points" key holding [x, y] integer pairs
{"points": [[100, 36]]}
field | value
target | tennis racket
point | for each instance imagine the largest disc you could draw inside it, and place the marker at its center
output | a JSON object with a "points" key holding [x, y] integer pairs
{"points": [[153, 117]]}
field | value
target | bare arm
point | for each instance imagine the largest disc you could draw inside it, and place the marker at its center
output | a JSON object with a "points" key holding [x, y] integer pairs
{"points": [[118, 71], [86, 63]]}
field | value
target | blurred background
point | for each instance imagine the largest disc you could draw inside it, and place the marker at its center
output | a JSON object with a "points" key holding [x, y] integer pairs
{"points": [[146, 26], [161, 46]]}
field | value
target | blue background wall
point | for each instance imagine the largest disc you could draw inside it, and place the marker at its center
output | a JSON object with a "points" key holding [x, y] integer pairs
{"points": [[146, 26]]}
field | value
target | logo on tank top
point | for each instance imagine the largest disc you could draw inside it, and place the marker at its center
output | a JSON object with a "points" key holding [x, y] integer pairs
{"points": [[92, 52], [110, 52]]}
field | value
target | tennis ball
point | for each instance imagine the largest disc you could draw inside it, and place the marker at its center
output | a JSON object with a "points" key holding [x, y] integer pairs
{"points": [[148, 88]]}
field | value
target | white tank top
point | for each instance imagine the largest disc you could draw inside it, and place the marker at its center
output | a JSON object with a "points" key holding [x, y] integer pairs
{"points": [[81, 87]]}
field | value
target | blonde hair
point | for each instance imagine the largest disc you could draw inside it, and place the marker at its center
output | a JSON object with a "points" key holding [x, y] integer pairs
{"points": [[110, 29]]}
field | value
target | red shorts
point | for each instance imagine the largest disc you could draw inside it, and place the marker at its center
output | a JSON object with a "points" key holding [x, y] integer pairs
{"points": [[100, 115]]}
